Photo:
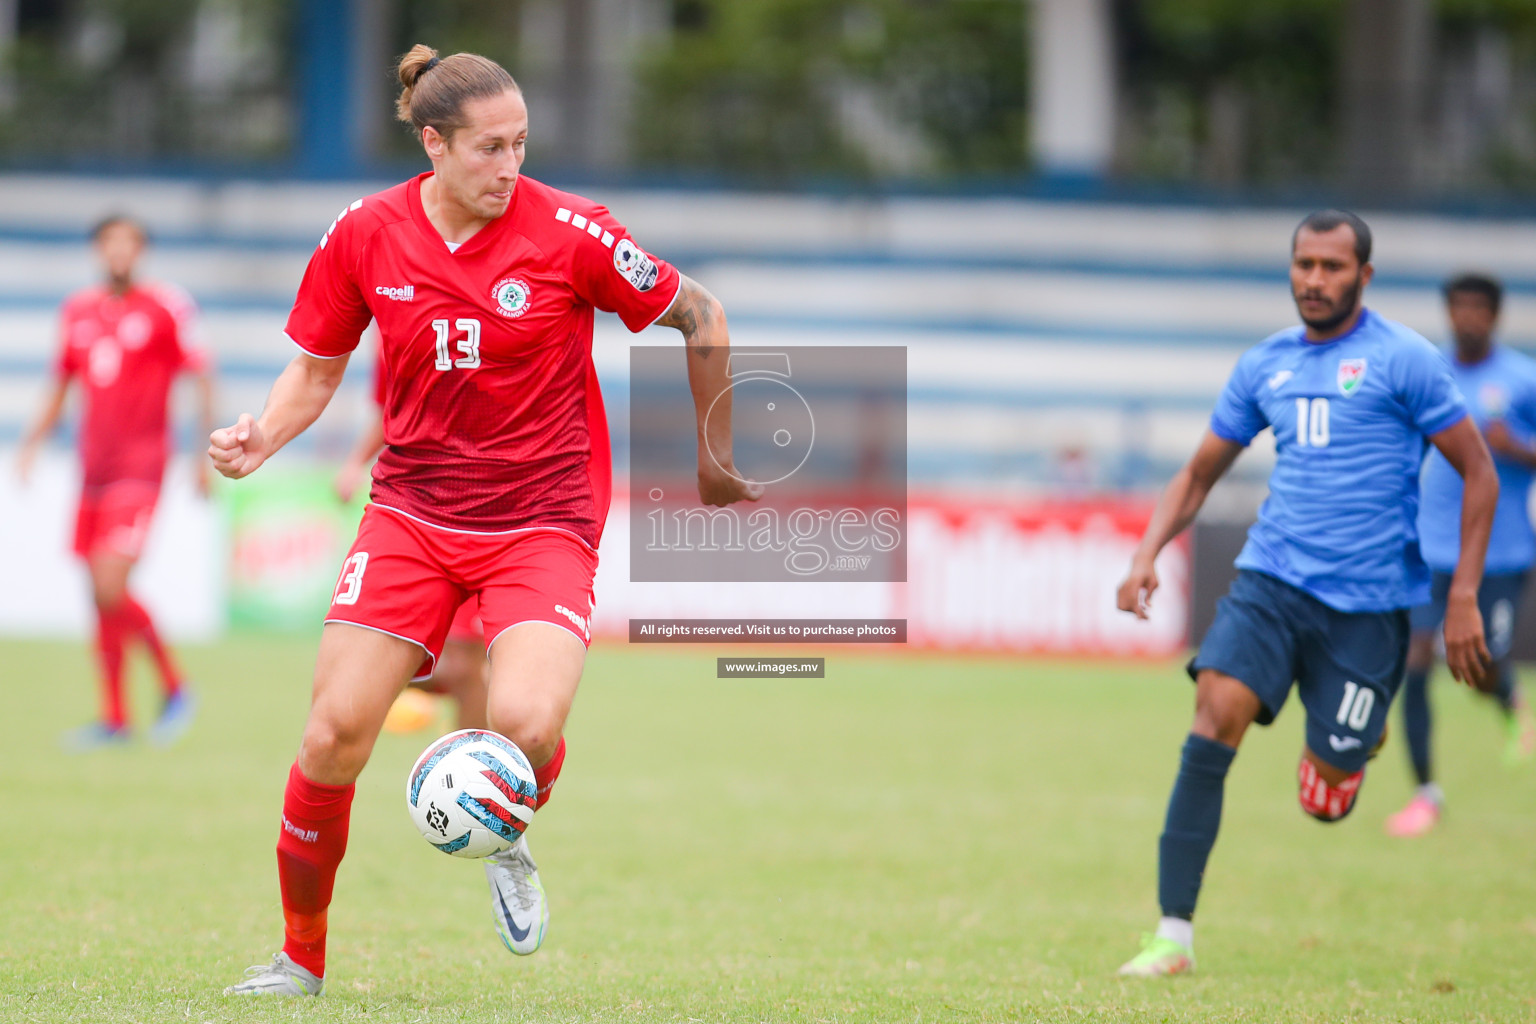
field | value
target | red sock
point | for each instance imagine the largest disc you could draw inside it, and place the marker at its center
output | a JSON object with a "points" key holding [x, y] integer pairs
{"points": [[309, 849], [109, 651], [1322, 801], [546, 774], [137, 620]]}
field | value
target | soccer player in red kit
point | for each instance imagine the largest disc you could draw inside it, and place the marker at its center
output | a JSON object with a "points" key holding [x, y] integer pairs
{"points": [[125, 341], [461, 670], [494, 481]]}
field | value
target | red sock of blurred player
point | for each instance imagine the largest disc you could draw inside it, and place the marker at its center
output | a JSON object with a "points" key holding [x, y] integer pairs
{"points": [[138, 621], [309, 849], [109, 651], [546, 774]]}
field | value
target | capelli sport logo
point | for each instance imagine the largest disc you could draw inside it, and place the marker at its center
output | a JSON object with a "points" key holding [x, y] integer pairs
{"points": [[511, 295], [579, 621]]}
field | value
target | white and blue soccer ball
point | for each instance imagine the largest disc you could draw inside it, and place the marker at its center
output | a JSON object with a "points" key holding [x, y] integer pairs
{"points": [[472, 793]]}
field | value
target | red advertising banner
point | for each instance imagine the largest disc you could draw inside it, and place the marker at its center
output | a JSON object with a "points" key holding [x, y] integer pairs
{"points": [[1038, 578], [984, 574]]}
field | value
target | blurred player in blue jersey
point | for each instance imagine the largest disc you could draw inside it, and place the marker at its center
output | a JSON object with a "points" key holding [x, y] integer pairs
{"points": [[1500, 386], [1332, 564]]}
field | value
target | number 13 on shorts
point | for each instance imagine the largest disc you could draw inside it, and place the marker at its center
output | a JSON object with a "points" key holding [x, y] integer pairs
{"points": [[350, 584]]}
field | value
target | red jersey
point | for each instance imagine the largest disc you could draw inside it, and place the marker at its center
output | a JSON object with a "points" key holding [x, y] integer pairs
{"points": [[127, 350], [492, 416]]}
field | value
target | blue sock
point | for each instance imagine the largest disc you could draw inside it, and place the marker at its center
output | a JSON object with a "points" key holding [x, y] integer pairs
{"points": [[1416, 722], [1189, 832], [1504, 691]]}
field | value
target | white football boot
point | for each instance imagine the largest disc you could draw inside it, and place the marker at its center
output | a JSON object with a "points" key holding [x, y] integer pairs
{"points": [[518, 903], [282, 977]]}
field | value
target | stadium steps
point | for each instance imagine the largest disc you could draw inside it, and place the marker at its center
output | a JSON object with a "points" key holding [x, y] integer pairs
{"points": [[1032, 327]]}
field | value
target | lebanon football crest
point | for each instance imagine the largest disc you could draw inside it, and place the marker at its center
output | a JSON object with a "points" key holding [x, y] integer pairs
{"points": [[511, 295], [1351, 374]]}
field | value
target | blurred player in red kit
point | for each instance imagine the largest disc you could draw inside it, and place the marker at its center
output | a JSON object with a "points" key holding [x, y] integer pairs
{"points": [[462, 672], [126, 341], [494, 480]]}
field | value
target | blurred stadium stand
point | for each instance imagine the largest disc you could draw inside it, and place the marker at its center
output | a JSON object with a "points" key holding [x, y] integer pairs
{"points": [[1053, 344], [1074, 213]]}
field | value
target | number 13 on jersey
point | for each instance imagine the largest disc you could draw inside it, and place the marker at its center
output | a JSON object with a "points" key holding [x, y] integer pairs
{"points": [[469, 345]]}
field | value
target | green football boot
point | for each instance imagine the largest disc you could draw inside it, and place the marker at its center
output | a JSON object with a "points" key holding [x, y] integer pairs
{"points": [[1159, 957]]}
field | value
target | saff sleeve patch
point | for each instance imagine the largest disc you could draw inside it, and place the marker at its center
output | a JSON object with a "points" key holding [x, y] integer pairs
{"points": [[634, 265]]}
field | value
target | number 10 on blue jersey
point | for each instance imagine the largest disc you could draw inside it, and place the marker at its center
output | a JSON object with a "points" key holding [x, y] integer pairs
{"points": [[1311, 422]]}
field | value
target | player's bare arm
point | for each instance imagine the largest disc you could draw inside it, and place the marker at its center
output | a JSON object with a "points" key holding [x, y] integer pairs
{"points": [[369, 443], [203, 384], [701, 320], [47, 419], [1176, 509], [1502, 441], [1466, 651], [299, 396]]}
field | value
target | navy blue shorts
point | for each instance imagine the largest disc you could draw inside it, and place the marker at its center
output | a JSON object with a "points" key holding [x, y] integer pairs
{"points": [[1498, 599], [1346, 666]]}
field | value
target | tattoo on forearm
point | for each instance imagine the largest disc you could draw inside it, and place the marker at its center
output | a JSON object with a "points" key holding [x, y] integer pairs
{"points": [[684, 317], [692, 311]]}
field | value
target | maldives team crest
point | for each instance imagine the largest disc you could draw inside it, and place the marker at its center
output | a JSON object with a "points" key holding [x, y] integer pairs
{"points": [[511, 295], [1351, 373], [1494, 400]]}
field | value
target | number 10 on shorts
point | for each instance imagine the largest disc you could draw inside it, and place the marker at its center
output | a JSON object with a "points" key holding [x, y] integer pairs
{"points": [[1355, 708], [351, 582]]}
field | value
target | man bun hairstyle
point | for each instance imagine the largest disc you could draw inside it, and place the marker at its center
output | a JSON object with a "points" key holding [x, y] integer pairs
{"points": [[1486, 285], [434, 89], [1324, 221]]}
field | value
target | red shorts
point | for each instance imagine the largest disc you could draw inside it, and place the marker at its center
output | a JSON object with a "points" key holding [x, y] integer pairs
{"points": [[465, 629], [409, 579], [115, 519], [466, 626]]}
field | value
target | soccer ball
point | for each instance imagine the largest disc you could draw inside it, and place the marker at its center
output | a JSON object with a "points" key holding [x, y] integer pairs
{"points": [[472, 793]]}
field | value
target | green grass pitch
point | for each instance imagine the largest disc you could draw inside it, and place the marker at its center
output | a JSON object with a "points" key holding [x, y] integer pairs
{"points": [[913, 838]]}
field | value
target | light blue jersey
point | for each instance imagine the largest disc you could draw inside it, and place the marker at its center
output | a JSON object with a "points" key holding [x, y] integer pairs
{"points": [[1350, 417], [1501, 387]]}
